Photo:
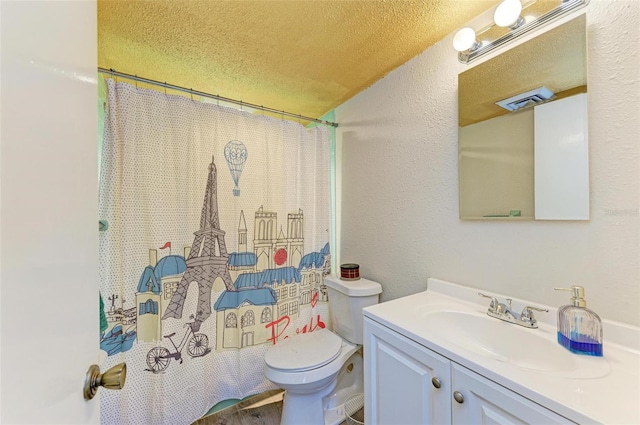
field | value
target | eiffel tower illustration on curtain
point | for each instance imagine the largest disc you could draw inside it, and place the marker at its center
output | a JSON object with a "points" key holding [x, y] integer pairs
{"points": [[203, 264]]}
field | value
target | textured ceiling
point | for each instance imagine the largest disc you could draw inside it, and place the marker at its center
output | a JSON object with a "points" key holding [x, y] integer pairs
{"points": [[302, 56]]}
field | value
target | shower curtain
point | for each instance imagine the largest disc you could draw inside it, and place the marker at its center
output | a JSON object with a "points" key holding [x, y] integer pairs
{"points": [[216, 248]]}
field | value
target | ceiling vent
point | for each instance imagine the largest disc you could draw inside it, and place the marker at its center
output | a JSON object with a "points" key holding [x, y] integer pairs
{"points": [[527, 99]]}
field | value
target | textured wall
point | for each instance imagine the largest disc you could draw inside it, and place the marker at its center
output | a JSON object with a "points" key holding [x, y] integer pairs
{"points": [[496, 166], [399, 184]]}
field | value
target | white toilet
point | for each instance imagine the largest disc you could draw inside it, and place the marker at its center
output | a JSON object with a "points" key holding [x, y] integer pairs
{"points": [[321, 369]]}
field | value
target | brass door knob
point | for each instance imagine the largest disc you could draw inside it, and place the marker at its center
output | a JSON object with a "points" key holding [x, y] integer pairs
{"points": [[113, 379]]}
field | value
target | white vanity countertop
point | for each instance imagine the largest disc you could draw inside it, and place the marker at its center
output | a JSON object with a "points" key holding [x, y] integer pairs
{"points": [[611, 395]]}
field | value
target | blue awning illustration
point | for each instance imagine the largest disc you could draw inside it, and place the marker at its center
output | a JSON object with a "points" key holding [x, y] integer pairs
{"points": [[234, 299]]}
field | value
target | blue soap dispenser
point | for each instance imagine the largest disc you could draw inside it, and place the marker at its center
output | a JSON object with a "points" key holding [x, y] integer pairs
{"points": [[579, 329]]}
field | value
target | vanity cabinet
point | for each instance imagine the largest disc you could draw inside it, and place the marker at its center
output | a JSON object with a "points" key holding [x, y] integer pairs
{"points": [[407, 383], [399, 377]]}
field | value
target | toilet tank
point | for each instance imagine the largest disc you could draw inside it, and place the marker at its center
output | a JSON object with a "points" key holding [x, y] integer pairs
{"points": [[347, 298]]}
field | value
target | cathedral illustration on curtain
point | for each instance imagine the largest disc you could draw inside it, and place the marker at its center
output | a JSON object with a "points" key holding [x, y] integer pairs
{"points": [[262, 290]]}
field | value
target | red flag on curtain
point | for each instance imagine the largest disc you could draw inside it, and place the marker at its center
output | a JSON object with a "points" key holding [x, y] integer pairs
{"points": [[167, 245]]}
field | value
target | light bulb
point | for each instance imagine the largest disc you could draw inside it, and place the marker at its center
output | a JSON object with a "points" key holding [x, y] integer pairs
{"points": [[465, 39], [507, 14]]}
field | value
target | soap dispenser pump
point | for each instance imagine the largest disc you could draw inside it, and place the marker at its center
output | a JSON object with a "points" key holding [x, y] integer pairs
{"points": [[579, 329]]}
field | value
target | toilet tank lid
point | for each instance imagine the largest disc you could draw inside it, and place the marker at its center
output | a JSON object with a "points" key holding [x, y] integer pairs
{"points": [[353, 288]]}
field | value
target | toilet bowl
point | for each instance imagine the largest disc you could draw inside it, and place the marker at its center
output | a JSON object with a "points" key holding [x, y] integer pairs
{"points": [[315, 361], [321, 369]]}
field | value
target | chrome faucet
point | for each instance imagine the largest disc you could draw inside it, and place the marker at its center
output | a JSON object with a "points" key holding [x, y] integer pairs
{"points": [[503, 311]]}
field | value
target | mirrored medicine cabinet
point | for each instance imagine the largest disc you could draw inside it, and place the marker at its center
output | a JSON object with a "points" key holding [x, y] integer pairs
{"points": [[532, 162]]}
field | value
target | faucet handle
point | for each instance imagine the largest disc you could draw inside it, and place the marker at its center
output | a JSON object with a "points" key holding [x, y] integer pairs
{"points": [[527, 313], [494, 302]]}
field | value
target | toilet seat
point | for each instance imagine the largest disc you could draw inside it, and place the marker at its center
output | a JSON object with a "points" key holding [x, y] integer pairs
{"points": [[304, 352]]}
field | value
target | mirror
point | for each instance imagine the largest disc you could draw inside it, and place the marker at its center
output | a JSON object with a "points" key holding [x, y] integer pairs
{"points": [[531, 163]]}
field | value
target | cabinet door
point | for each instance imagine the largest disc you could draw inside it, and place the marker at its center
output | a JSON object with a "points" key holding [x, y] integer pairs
{"points": [[485, 402], [398, 380]]}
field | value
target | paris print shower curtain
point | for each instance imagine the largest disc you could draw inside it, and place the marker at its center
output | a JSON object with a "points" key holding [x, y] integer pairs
{"points": [[216, 248]]}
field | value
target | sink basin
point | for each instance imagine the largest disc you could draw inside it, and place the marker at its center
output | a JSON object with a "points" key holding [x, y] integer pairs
{"points": [[531, 349]]}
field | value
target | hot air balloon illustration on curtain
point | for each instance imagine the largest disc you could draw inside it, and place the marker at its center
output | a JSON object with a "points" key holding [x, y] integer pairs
{"points": [[235, 152]]}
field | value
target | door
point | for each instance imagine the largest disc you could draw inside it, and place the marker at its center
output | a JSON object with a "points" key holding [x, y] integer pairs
{"points": [[561, 159], [481, 401], [247, 339], [49, 323], [405, 383]]}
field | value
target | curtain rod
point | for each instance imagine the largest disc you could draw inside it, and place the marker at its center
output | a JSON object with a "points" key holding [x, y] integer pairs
{"points": [[213, 96]]}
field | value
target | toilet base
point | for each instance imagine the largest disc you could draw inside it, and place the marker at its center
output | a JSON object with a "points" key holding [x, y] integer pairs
{"points": [[326, 405], [302, 409], [350, 382]]}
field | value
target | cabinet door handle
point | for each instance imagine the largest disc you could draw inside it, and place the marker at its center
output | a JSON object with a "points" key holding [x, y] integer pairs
{"points": [[436, 382], [457, 396]]}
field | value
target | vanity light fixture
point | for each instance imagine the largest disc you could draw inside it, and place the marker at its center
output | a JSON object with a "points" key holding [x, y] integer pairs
{"points": [[465, 39], [508, 15]]}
